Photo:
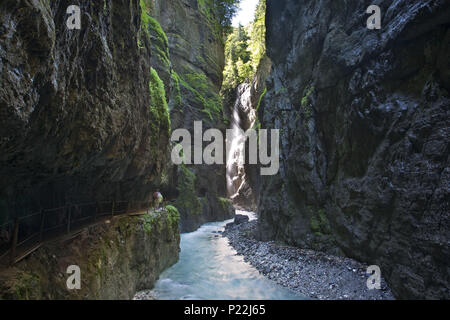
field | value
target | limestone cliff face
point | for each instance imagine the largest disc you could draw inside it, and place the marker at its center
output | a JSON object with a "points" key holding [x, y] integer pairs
{"points": [[78, 123], [83, 118], [190, 59], [116, 260], [364, 136]]}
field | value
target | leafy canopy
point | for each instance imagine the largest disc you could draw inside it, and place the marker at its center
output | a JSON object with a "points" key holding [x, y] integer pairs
{"points": [[244, 49]]}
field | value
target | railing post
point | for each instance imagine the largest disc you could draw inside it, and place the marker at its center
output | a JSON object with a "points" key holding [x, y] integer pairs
{"points": [[96, 211], [69, 212], [14, 241], [41, 230], [112, 209]]}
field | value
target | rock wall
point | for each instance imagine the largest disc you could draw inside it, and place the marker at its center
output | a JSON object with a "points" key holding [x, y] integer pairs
{"points": [[78, 123], [364, 136], [190, 61], [116, 259], [83, 118]]}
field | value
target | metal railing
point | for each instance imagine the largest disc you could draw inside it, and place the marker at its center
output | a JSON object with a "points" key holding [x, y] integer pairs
{"points": [[25, 234]]}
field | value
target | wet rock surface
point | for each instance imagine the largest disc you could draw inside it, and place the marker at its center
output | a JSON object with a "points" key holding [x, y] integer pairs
{"points": [[310, 273], [75, 116], [239, 219], [364, 136]]}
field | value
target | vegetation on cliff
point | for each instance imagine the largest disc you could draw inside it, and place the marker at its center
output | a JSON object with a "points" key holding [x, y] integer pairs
{"points": [[204, 94], [219, 13], [159, 111], [244, 49], [187, 200]]}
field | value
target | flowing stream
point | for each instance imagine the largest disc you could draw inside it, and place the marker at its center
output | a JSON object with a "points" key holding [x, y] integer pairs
{"points": [[209, 269]]}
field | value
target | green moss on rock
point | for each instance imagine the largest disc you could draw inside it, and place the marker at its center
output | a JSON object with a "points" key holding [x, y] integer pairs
{"points": [[178, 102], [158, 38], [159, 110], [25, 286], [225, 203], [173, 216], [204, 94], [305, 103], [187, 201], [319, 223], [261, 97]]}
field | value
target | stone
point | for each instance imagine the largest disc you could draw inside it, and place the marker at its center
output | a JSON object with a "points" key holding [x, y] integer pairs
{"points": [[239, 218]]}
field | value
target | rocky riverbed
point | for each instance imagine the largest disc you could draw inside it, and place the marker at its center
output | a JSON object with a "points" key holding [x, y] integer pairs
{"points": [[313, 274]]}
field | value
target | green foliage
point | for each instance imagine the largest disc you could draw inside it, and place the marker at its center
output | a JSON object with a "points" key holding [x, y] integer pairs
{"points": [[173, 212], [204, 94], [144, 16], [158, 107], [144, 23], [319, 222], [224, 203], [24, 286], [305, 104], [219, 13], [308, 91], [261, 97], [160, 34], [187, 200], [148, 219], [159, 41], [173, 216], [225, 10], [177, 90], [257, 44], [159, 110], [164, 178], [244, 49], [238, 66], [281, 91], [154, 220]]}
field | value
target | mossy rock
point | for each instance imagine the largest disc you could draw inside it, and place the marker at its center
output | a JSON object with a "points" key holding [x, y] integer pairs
{"points": [[187, 201], [319, 223], [20, 285], [159, 115]]}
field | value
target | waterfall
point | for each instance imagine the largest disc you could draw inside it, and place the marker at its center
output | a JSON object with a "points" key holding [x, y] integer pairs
{"points": [[243, 118]]}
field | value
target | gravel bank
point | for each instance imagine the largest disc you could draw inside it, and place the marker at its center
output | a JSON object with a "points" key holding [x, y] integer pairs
{"points": [[312, 274]]}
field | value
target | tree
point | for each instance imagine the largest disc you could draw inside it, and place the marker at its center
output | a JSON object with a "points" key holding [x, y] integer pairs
{"points": [[238, 67], [244, 49], [225, 10], [257, 44]]}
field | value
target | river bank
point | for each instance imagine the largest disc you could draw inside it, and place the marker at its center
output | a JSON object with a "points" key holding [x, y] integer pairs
{"points": [[309, 273]]}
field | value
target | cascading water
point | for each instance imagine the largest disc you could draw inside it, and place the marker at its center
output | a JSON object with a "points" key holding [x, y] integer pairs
{"points": [[243, 118]]}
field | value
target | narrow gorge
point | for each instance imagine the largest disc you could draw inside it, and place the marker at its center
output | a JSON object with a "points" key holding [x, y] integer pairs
{"points": [[87, 118]]}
